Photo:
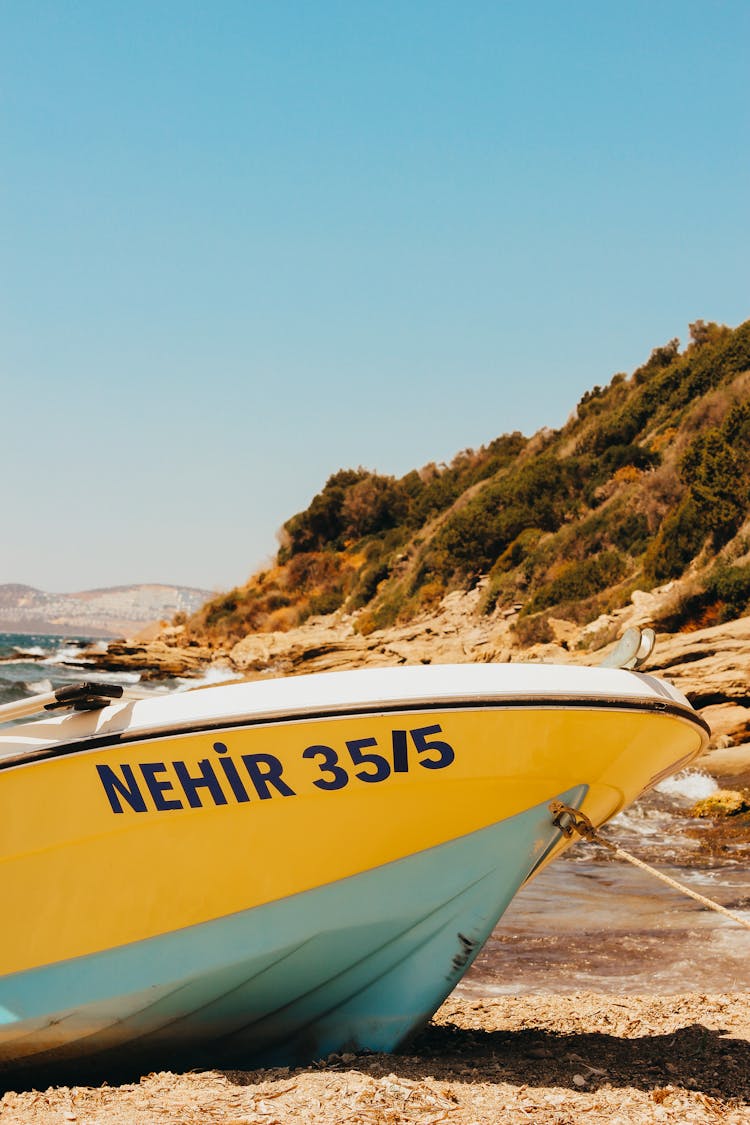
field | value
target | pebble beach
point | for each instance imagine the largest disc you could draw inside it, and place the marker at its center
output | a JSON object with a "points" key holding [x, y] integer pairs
{"points": [[548, 1060]]}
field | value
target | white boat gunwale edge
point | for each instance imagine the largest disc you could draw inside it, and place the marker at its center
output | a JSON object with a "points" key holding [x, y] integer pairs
{"points": [[92, 740]]}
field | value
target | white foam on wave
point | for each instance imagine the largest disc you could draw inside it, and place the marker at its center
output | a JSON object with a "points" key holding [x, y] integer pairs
{"points": [[97, 646], [212, 676], [643, 821], [36, 687], [115, 677], [217, 675], [689, 786], [64, 655], [645, 825], [33, 650]]}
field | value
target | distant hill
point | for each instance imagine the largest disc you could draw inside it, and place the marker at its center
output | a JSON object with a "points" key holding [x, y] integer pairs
{"points": [[648, 481], [111, 612]]}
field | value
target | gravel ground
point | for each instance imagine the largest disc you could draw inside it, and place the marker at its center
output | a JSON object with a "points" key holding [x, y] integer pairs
{"points": [[552, 1060]]}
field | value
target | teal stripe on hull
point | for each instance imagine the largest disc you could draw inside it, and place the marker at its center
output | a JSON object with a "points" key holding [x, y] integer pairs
{"points": [[355, 964]]}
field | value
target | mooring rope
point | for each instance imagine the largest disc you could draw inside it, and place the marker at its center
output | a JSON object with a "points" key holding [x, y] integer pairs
{"points": [[571, 821]]}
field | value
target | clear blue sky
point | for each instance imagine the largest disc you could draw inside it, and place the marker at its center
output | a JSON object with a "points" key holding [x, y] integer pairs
{"points": [[243, 245]]}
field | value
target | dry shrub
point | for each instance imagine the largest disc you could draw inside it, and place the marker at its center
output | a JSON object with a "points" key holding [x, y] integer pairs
{"points": [[365, 623], [713, 407], [628, 474], [281, 620], [533, 631], [664, 439], [311, 569], [430, 594], [664, 492]]}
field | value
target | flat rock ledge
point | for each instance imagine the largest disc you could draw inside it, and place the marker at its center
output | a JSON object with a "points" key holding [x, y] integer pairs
{"points": [[154, 660]]}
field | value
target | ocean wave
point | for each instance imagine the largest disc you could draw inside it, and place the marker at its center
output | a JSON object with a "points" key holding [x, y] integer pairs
{"points": [[642, 821], [118, 677], [217, 675], [36, 687], [34, 651], [688, 787], [101, 677], [66, 654], [212, 677]]}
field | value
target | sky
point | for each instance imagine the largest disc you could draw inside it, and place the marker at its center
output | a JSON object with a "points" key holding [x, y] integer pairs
{"points": [[245, 244]]}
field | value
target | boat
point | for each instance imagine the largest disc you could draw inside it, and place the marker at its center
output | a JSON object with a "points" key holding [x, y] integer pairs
{"points": [[273, 871]]}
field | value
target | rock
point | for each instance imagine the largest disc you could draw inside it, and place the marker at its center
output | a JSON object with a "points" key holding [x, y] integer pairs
{"points": [[724, 802], [711, 666], [564, 632], [731, 763], [730, 724], [153, 659]]}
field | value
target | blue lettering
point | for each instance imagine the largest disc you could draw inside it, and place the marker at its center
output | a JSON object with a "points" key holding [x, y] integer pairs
{"points": [[261, 779], [231, 773], [400, 751], [156, 788], [206, 779], [445, 753], [265, 772], [339, 776], [128, 789]]}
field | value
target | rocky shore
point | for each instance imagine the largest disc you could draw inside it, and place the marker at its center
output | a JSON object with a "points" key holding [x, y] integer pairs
{"points": [[711, 666]]}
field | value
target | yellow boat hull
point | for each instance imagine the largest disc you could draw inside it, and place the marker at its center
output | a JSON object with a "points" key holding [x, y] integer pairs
{"points": [[125, 841]]}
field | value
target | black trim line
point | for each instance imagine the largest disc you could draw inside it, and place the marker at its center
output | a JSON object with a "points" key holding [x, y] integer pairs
{"points": [[660, 706]]}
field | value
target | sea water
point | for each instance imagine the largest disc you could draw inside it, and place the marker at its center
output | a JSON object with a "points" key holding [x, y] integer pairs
{"points": [[595, 923], [31, 664], [587, 921]]}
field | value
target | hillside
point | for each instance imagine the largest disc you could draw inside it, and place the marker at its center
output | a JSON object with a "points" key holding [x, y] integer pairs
{"points": [[648, 481]]}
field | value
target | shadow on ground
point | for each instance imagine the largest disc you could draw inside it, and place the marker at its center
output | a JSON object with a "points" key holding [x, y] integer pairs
{"points": [[695, 1058]]}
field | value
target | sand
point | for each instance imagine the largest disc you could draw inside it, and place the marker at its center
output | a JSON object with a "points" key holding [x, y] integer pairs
{"points": [[549, 1060]]}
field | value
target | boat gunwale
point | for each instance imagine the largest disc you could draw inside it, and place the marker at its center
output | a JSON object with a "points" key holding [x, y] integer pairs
{"points": [[665, 707]]}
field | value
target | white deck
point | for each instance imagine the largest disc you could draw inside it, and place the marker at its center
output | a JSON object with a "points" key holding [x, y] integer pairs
{"points": [[340, 692]]}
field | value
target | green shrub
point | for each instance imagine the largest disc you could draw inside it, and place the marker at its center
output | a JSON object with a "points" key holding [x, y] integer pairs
{"points": [[517, 551], [220, 608], [580, 579], [617, 456], [731, 586], [368, 581], [680, 538], [716, 467], [629, 532], [537, 495], [725, 596], [320, 524], [321, 604]]}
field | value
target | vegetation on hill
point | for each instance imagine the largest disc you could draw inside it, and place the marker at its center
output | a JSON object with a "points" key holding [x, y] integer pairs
{"points": [[648, 479]]}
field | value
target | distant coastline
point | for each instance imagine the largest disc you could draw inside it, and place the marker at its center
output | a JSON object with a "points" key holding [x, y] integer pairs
{"points": [[103, 613]]}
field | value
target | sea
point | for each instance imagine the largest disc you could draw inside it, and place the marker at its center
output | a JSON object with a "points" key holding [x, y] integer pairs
{"points": [[34, 664], [587, 922], [590, 922]]}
